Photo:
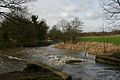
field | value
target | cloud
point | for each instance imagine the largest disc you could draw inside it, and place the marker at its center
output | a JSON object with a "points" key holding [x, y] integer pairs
{"points": [[54, 10], [60, 7], [94, 15]]}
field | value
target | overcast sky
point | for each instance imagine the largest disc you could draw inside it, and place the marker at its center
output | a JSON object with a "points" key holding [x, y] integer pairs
{"points": [[54, 10]]}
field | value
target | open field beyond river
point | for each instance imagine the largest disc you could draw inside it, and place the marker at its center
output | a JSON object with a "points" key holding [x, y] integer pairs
{"points": [[115, 39]]}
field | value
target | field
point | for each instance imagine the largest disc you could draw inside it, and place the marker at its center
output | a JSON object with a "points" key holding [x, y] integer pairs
{"points": [[115, 39]]}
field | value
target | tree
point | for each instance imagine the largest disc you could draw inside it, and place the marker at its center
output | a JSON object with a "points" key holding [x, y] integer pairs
{"points": [[63, 25], [111, 6], [75, 28], [34, 19], [21, 33], [112, 11], [17, 29], [71, 29], [18, 33], [10, 6], [55, 33], [41, 30]]}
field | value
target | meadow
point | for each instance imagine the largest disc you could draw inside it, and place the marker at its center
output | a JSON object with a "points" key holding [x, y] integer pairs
{"points": [[115, 39]]}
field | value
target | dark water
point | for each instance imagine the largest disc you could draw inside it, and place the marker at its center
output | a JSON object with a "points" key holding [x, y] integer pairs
{"points": [[87, 70]]}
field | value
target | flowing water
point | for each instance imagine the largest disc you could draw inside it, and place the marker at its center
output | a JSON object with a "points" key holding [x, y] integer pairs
{"points": [[86, 70]]}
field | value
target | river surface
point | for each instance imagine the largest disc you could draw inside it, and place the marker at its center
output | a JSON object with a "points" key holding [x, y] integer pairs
{"points": [[15, 60]]}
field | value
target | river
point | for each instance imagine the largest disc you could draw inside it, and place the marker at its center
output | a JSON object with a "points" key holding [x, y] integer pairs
{"points": [[86, 70]]}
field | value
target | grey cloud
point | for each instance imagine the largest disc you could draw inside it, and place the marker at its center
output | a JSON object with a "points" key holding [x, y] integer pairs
{"points": [[54, 10], [94, 15]]}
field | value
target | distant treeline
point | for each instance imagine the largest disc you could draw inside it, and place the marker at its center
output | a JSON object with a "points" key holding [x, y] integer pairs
{"points": [[114, 32]]}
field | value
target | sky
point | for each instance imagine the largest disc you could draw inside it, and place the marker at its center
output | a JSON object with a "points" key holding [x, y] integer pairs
{"points": [[53, 11]]}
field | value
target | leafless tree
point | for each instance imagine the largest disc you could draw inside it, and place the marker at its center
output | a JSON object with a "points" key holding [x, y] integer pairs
{"points": [[8, 6], [112, 7], [112, 11], [71, 29], [63, 24]]}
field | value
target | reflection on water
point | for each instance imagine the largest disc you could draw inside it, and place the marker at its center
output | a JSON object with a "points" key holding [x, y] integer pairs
{"points": [[87, 70]]}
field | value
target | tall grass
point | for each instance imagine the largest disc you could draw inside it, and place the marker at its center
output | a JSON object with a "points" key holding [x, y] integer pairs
{"points": [[115, 39]]}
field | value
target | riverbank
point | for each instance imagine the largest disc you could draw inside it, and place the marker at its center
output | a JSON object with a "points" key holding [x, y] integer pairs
{"points": [[32, 72], [39, 44], [108, 60], [95, 48], [78, 71]]}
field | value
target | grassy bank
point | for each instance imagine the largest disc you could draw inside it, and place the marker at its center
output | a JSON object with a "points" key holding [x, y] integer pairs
{"points": [[115, 39], [96, 48]]}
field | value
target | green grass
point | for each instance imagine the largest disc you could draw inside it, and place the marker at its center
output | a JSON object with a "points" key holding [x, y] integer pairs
{"points": [[115, 39]]}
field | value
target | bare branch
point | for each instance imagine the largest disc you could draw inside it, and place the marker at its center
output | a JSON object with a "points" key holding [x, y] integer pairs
{"points": [[111, 6], [12, 5]]}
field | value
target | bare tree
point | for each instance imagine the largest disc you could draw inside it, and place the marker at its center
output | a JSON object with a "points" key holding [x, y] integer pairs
{"points": [[8, 6], [112, 11], [71, 29], [63, 24], [112, 7]]}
